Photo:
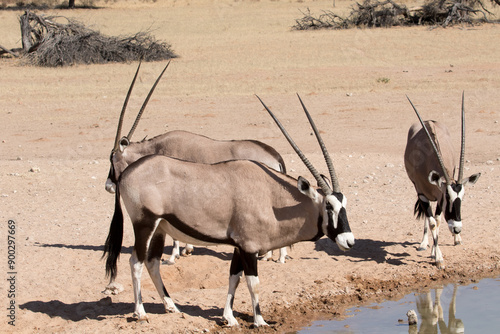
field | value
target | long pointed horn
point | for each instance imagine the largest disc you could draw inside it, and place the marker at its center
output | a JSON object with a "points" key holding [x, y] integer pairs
{"points": [[328, 159], [120, 122], [432, 143], [324, 186], [462, 150], [129, 136]]}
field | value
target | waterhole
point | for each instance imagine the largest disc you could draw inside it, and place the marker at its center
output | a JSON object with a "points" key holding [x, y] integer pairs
{"points": [[451, 308]]}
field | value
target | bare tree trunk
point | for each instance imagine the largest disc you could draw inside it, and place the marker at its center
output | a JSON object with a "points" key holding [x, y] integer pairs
{"points": [[26, 32], [71, 4]]}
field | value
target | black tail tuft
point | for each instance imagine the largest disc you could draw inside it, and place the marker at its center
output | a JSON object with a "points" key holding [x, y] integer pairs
{"points": [[419, 209], [113, 244]]}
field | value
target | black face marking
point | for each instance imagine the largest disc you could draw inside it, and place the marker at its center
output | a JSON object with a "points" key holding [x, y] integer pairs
{"points": [[453, 211], [342, 221]]}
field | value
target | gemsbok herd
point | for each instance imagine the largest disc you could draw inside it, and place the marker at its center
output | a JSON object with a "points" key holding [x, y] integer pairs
{"points": [[203, 192]]}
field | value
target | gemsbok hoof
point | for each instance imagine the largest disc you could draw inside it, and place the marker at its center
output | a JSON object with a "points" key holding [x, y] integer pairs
{"points": [[142, 320], [440, 265]]}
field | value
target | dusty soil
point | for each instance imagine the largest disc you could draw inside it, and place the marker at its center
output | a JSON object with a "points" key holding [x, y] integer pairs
{"points": [[57, 129]]}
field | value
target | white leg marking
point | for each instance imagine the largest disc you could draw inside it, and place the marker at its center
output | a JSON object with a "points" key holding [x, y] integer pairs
{"points": [[283, 255], [268, 256], [175, 253], [234, 280], [436, 252], [136, 269], [153, 267], [188, 250], [253, 287], [425, 239]]}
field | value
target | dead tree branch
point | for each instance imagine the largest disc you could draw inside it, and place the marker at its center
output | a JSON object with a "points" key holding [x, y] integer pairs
{"points": [[47, 42]]}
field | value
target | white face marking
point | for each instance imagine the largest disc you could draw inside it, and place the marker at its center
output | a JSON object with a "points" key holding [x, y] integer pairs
{"points": [[454, 226], [343, 240], [337, 206]]}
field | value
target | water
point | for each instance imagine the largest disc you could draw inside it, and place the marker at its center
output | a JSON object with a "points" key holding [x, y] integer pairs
{"points": [[454, 308]]}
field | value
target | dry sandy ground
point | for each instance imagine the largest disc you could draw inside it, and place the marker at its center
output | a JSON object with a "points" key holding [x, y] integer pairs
{"points": [[57, 128]]}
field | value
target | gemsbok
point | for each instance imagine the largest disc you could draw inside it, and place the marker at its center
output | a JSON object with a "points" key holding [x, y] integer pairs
{"points": [[185, 146], [429, 162], [241, 203]]}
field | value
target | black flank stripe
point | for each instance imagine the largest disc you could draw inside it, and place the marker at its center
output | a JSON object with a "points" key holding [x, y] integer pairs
{"points": [[188, 230]]}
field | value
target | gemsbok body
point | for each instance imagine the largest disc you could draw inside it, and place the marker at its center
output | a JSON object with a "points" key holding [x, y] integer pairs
{"points": [[187, 146], [429, 161], [240, 203]]}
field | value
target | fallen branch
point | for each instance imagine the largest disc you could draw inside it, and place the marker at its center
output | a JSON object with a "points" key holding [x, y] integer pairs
{"points": [[46, 42], [12, 52]]}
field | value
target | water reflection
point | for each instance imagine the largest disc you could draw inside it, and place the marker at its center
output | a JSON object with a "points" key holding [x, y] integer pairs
{"points": [[443, 310], [431, 314]]}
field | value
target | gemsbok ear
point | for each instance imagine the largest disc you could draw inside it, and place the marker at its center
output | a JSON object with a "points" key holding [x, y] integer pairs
{"points": [[471, 179], [305, 187], [436, 179], [124, 142]]}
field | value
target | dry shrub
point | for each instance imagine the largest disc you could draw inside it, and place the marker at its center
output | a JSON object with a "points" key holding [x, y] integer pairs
{"points": [[374, 13], [49, 43]]}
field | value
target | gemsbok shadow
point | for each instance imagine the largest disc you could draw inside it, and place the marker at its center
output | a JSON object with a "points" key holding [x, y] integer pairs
{"points": [[225, 256], [99, 310], [366, 250]]}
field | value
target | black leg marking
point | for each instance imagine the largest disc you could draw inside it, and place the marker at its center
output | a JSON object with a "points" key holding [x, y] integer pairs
{"points": [[422, 208], [156, 247], [439, 208], [249, 263], [142, 233], [165, 292], [236, 263]]}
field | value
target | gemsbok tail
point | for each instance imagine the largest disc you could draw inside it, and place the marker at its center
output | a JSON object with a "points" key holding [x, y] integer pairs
{"points": [[113, 244]]}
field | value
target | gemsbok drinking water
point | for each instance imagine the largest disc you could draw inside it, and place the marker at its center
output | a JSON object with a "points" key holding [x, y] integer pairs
{"points": [[240, 203], [429, 162], [185, 146]]}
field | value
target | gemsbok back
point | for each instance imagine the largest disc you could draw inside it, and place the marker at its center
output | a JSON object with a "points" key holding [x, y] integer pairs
{"points": [[185, 146], [240, 203], [429, 162]]}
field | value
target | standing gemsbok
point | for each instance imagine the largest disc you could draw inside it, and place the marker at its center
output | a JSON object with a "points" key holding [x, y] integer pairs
{"points": [[186, 146], [429, 162], [240, 203]]}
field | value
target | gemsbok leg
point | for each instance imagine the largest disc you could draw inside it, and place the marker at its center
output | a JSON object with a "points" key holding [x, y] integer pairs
{"points": [[243, 262]]}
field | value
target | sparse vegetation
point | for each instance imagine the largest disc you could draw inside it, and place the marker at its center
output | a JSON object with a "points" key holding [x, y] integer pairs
{"points": [[374, 13], [383, 80], [47, 42]]}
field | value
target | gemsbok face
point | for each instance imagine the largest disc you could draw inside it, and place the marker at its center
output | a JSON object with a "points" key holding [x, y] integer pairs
{"points": [[241, 203], [429, 162]]}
